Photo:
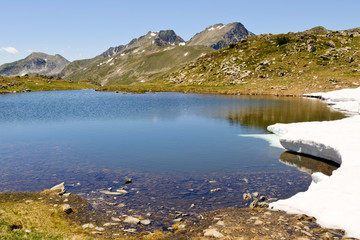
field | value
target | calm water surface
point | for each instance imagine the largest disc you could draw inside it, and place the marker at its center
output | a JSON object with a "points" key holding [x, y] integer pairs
{"points": [[176, 147]]}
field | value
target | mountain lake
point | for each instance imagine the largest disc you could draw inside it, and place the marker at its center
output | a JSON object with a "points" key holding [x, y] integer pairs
{"points": [[184, 153]]}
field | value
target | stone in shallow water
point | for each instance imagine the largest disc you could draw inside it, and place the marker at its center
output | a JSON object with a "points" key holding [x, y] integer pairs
{"points": [[131, 220], [246, 196], [60, 188], [145, 222]]}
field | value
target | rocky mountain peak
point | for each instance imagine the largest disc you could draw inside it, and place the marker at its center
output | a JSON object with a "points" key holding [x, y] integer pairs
{"points": [[162, 38], [168, 38], [219, 35]]}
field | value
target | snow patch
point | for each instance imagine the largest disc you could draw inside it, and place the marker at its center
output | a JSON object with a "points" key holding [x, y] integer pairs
{"points": [[152, 34], [220, 27], [343, 100], [123, 54], [185, 54], [332, 200], [211, 29], [182, 44]]}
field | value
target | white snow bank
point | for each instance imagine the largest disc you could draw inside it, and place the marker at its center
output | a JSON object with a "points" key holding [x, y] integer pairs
{"points": [[344, 100], [332, 200]]}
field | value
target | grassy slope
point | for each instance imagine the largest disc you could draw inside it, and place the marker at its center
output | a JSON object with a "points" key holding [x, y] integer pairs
{"points": [[279, 64], [136, 65], [269, 64], [33, 83]]}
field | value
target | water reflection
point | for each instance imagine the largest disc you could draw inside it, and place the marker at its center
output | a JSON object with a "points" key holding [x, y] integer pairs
{"points": [[308, 164], [271, 110]]}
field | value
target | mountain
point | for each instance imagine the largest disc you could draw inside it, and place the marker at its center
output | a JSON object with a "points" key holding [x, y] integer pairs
{"points": [[153, 55], [219, 35], [35, 63], [142, 59], [162, 39], [316, 60]]}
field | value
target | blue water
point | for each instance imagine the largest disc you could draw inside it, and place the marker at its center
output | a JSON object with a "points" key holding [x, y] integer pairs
{"points": [[159, 139]]}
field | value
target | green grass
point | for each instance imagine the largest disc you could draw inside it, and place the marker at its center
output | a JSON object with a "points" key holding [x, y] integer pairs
{"points": [[33, 83], [278, 64]]}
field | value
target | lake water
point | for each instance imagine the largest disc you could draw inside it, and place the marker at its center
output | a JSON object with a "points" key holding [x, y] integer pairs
{"points": [[175, 147]]}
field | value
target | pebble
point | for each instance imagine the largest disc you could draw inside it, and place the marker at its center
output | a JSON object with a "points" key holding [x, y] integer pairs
{"points": [[128, 181], [177, 220], [215, 190], [99, 229], [212, 233], [131, 220], [130, 230], [221, 223], [113, 193], [145, 222], [181, 226], [88, 225], [108, 224], [115, 219], [258, 222], [255, 194]]}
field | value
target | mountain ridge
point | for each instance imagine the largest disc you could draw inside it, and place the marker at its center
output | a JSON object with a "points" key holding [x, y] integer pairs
{"points": [[35, 63]]}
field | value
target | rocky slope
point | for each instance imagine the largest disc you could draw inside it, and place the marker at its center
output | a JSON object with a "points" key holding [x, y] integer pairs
{"points": [[294, 63], [219, 35], [148, 57], [35, 63]]}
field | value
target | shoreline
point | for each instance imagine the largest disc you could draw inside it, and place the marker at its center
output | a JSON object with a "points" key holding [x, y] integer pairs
{"points": [[69, 216]]}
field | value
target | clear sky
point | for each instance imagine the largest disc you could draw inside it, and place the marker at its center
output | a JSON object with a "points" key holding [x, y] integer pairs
{"points": [[79, 29]]}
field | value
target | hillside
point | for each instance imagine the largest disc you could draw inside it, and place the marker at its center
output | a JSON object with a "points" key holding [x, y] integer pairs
{"points": [[35, 63], [294, 63], [219, 36], [146, 58]]}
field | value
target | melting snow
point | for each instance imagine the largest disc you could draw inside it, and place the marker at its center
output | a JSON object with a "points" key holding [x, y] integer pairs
{"points": [[332, 200], [182, 44]]}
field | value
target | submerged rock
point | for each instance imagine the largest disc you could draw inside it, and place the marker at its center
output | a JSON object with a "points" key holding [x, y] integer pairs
{"points": [[131, 220]]}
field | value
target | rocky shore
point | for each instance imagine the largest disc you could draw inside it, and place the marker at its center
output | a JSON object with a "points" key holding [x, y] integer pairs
{"points": [[69, 216]]}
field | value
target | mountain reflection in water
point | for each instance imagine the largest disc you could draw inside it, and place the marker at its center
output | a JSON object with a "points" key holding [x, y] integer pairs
{"points": [[270, 110]]}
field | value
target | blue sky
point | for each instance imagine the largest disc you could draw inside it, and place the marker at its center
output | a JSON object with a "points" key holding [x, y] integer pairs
{"points": [[79, 29]]}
